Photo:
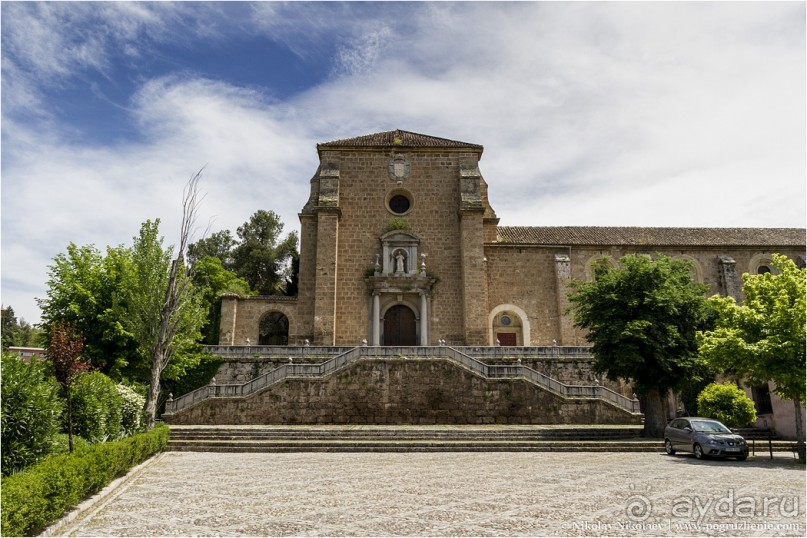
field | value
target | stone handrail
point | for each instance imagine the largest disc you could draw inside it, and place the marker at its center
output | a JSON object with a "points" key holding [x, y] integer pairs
{"points": [[340, 361], [230, 352], [480, 352], [546, 382]]}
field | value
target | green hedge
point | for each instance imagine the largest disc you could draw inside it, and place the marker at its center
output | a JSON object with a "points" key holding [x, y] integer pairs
{"points": [[40, 495]]}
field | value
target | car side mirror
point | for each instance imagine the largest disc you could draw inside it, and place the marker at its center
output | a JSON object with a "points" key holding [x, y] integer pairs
{"points": [[688, 429]]}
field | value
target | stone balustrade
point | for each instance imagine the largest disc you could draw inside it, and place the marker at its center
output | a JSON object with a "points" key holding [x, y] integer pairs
{"points": [[341, 360]]}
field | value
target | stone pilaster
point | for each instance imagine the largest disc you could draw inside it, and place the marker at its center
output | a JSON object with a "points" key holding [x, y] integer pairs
{"points": [[327, 272], [473, 255], [229, 317], [306, 278], [563, 277], [327, 241], [729, 280]]}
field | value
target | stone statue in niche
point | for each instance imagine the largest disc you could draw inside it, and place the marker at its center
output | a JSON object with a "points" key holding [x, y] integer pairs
{"points": [[400, 262]]}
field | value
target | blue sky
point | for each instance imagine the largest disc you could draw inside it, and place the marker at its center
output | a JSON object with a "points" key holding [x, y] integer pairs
{"points": [[639, 113]]}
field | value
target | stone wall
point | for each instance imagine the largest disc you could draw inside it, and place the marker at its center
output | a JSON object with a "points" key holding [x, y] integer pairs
{"points": [[569, 371], [401, 391], [433, 182], [241, 318], [525, 276]]}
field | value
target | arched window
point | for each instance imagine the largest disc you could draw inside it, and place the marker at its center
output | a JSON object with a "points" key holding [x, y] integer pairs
{"points": [[274, 330], [763, 269]]}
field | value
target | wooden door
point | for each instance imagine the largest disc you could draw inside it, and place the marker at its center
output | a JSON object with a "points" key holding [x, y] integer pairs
{"points": [[506, 339], [400, 327]]}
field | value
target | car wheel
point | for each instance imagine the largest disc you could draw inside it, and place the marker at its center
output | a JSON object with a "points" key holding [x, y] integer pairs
{"points": [[698, 451], [742, 458], [668, 446]]}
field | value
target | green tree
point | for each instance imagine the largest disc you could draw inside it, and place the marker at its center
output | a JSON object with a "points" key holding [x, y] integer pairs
{"points": [[260, 257], [219, 245], [64, 352], [31, 412], [83, 289], [727, 403], [642, 319], [764, 339], [164, 310], [690, 388], [293, 278], [212, 280], [16, 333], [9, 325]]}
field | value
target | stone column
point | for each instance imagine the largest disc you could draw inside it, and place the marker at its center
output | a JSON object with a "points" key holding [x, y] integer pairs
{"points": [[424, 319], [376, 336]]}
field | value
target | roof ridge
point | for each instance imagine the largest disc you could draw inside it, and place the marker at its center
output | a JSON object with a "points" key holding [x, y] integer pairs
{"points": [[649, 235], [398, 137]]}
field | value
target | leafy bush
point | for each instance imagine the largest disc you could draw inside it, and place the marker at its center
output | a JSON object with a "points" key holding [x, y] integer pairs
{"points": [[97, 408], [132, 410], [397, 223], [727, 403], [60, 444], [31, 411], [39, 496]]}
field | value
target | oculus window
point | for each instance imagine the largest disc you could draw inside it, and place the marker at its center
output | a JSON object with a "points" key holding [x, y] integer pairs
{"points": [[399, 202]]}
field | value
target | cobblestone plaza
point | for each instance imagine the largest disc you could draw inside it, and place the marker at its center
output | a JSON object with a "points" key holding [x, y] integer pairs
{"points": [[448, 494]]}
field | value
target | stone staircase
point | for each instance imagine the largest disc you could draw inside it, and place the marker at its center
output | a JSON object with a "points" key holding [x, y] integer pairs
{"points": [[460, 359], [411, 439]]}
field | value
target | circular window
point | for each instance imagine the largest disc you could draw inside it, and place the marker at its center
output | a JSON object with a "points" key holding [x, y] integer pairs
{"points": [[399, 202], [505, 320]]}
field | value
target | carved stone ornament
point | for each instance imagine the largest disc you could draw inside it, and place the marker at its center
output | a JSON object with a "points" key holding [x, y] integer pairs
{"points": [[398, 168]]}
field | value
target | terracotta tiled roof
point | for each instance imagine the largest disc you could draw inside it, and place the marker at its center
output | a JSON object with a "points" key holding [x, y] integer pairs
{"points": [[399, 138], [632, 236]]}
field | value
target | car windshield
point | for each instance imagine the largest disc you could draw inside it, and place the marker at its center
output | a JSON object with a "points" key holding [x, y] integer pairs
{"points": [[709, 426]]}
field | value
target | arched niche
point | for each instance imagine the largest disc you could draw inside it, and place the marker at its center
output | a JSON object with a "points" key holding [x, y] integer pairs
{"points": [[273, 329], [508, 319]]}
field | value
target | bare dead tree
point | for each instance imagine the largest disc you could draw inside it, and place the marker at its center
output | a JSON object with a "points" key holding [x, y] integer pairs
{"points": [[177, 315]]}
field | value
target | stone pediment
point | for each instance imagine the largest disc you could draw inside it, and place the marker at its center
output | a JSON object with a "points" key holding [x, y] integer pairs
{"points": [[400, 236], [399, 255], [398, 138]]}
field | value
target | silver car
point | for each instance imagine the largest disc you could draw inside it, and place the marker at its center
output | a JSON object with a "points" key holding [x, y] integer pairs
{"points": [[703, 437]]}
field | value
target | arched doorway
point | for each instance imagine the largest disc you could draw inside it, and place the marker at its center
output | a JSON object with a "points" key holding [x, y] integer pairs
{"points": [[400, 327], [510, 325], [274, 330]]}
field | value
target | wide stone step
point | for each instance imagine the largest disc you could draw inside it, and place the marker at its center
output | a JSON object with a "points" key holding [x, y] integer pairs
{"points": [[470, 448], [333, 438], [404, 433], [618, 438], [411, 446]]}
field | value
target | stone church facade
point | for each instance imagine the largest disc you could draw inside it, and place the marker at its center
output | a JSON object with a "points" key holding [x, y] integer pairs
{"points": [[399, 246]]}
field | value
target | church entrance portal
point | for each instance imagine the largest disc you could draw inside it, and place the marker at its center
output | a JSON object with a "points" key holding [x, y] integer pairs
{"points": [[400, 327]]}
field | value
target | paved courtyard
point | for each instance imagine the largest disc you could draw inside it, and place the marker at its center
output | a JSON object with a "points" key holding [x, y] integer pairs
{"points": [[449, 494]]}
